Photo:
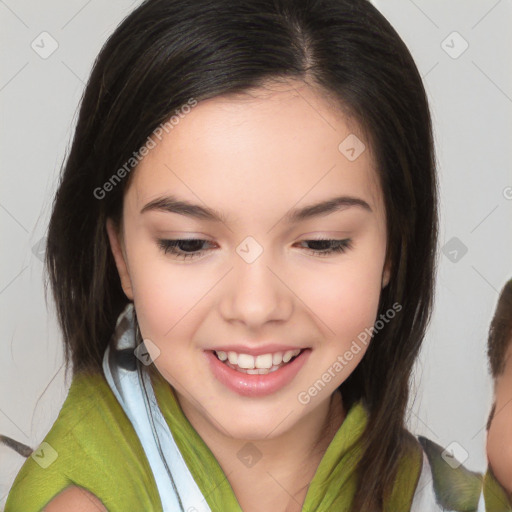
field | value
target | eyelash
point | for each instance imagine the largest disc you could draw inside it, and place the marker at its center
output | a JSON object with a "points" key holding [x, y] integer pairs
{"points": [[170, 246]]}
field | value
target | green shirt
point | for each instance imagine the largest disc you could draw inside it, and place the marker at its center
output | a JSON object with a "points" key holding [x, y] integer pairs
{"points": [[92, 444]]}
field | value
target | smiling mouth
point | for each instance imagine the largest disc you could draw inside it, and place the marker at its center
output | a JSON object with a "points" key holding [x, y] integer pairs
{"points": [[250, 367]]}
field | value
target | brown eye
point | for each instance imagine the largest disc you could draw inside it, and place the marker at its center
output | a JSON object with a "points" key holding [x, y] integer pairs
{"points": [[324, 247], [185, 248]]}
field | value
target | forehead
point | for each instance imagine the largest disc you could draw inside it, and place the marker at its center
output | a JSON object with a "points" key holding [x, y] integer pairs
{"points": [[273, 145]]}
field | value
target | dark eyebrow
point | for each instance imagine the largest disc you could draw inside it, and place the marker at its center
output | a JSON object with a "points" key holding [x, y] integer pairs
{"points": [[171, 204], [325, 208]]}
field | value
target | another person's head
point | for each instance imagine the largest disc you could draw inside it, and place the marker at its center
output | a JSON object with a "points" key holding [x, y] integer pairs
{"points": [[499, 424], [253, 109]]}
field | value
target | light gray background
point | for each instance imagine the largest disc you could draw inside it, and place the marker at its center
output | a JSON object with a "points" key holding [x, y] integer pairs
{"points": [[471, 102]]}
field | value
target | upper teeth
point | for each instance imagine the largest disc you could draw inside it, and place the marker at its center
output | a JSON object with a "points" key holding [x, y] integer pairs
{"points": [[263, 361]]}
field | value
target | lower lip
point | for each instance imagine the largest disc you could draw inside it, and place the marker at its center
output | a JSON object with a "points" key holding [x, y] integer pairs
{"points": [[256, 385]]}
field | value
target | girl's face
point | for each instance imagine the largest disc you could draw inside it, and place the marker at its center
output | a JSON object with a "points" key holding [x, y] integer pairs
{"points": [[244, 176]]}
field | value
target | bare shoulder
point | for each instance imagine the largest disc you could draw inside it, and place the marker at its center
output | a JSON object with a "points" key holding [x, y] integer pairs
{"points": [[75, 499]]}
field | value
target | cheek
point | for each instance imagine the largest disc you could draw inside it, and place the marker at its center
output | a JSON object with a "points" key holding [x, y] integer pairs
{"points": [[499, 446], [166, 296], [345, 295], [499, 436], [344, 298]]}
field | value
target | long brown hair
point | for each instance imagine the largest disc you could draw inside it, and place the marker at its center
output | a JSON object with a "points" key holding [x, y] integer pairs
{"points": [[168, 51]]}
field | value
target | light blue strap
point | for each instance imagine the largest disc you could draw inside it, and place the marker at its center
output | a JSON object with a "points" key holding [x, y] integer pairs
{"points": [[133, 389], [481, 502]]}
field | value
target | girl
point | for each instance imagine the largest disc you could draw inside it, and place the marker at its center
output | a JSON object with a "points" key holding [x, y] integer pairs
{"points": [[242, 252]]}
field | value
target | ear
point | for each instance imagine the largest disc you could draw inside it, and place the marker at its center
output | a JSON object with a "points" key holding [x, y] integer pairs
{"points": [[116, 245], [386, 273]]}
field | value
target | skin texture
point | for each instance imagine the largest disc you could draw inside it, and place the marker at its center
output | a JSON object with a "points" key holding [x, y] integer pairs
{"points": [[254, 158], [499, 435], [80, 499]]}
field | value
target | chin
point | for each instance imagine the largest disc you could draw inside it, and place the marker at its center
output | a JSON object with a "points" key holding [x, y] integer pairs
{"points": [[256, 427]]}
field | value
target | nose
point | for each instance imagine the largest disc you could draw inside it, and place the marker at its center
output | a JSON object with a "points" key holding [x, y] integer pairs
{"points": [[255, 293]]}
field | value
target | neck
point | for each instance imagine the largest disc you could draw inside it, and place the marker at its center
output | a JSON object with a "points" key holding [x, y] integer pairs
{"points": [[280, 479]]}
